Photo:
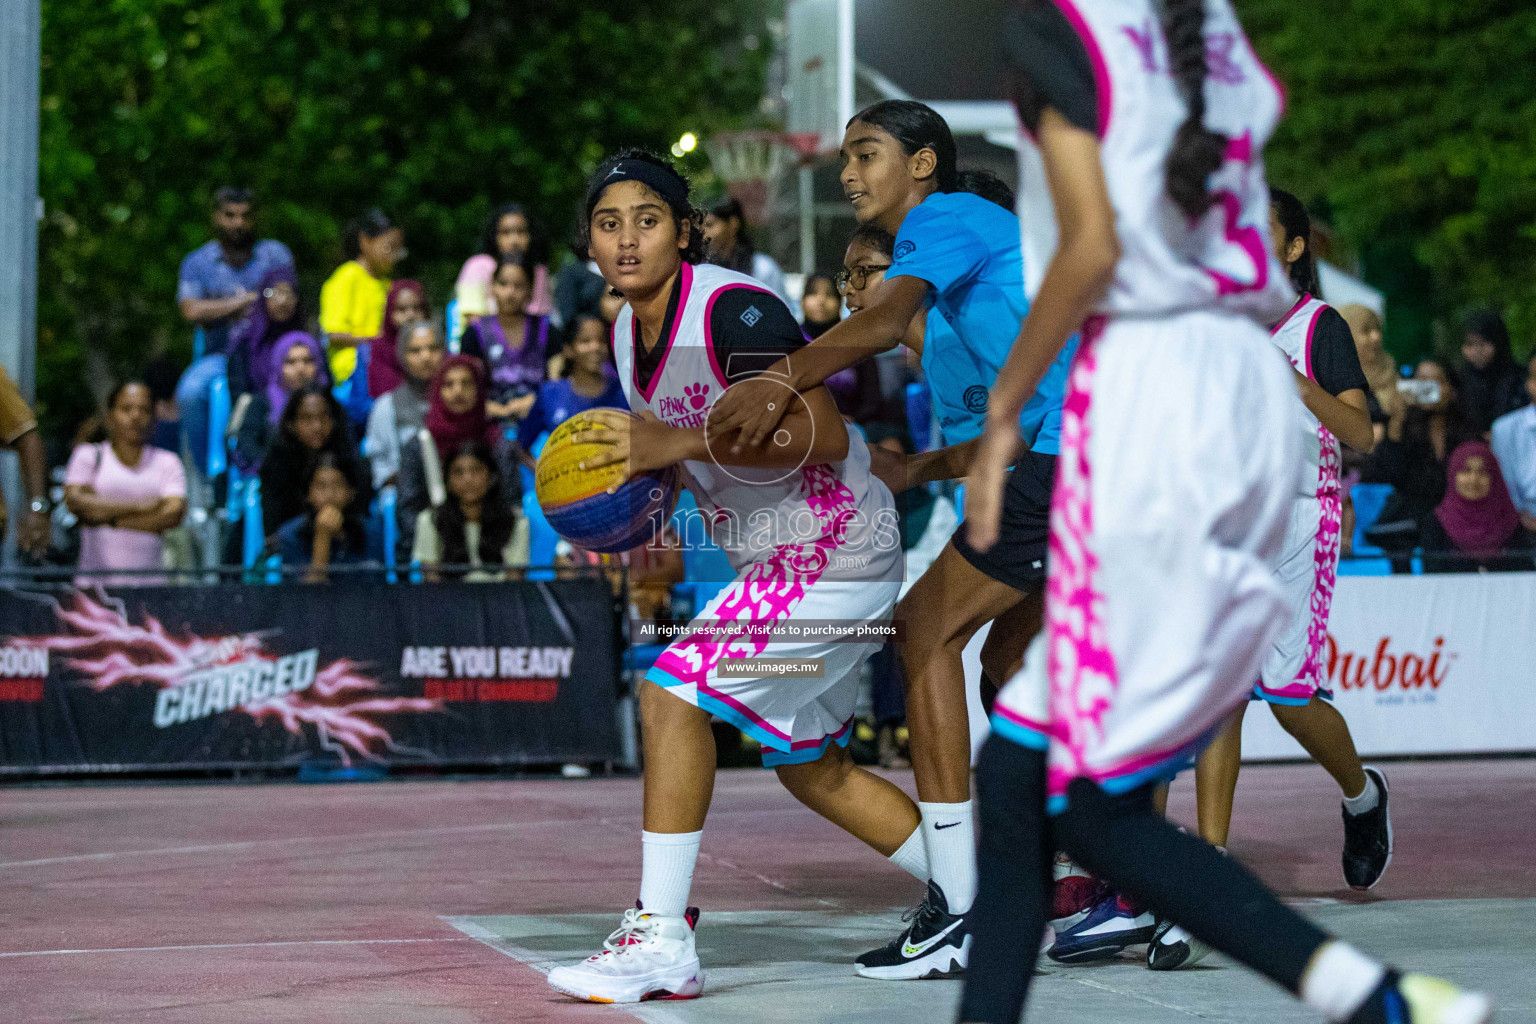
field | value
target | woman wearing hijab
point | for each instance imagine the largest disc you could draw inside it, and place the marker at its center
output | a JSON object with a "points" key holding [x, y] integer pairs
{"points": [[1476, 527], [407, 303], [276, 312], [1491, 383], [456, 414], [400, 413], [294, 361]]}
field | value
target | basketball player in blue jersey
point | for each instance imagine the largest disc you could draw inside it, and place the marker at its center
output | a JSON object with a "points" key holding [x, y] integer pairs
{"points": [[958, 254], [811, 534]]}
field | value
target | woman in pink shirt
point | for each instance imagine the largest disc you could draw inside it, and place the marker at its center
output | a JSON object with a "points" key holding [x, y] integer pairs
{"points": [[126, 493]]}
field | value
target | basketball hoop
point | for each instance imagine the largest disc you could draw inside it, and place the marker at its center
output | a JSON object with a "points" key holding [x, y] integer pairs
{"points": [[750, 162]]}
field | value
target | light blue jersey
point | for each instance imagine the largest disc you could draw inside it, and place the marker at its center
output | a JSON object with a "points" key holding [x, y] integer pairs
{"points": [[967, 250]]}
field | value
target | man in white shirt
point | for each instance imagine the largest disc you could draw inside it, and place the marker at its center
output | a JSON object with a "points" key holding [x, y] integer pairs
{"points": [[1514, 445]]}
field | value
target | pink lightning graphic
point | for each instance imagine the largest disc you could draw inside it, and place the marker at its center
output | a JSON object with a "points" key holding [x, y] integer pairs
{"points": [[110, 651]]}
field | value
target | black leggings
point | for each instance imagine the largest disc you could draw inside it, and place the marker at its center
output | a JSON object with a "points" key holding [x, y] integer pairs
{"points": [[1124, 841]]}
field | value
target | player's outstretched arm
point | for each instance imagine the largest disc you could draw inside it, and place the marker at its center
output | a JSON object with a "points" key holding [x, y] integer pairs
{"points": [[747, 414], [1078, 275]]}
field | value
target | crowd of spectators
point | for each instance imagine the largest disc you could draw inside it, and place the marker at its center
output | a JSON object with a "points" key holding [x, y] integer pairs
{"points": [[374, 388]]}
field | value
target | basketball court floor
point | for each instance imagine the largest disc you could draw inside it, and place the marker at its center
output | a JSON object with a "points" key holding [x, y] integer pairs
{"points": [[443, 901]]}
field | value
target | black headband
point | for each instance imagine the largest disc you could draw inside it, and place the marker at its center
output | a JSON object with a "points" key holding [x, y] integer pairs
{"points": [[664, 182]]}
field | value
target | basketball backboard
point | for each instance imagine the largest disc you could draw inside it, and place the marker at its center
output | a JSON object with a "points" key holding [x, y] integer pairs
{"points": [[819, 77]]}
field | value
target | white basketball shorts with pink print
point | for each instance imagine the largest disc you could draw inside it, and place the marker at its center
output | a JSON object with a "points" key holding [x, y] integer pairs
{"points": [[794, 716], [1179, 466]]}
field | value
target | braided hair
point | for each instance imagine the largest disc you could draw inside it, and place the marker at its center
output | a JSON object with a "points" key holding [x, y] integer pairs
{"points": [[1197, 151]]}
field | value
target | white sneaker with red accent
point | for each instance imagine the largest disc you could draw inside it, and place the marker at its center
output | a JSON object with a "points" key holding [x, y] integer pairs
{"points": [[647, 957]]}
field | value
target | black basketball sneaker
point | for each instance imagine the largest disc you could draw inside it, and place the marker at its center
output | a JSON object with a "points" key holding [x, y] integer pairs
{"points": [[1368, 839], [935, 945]]}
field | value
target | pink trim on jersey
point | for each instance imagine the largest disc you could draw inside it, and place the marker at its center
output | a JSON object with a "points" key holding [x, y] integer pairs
{"points": [[685, 283], [769, 591], [1079, 663], [709, 338], [1101, 79], [1289, 313], [1306, 352]]}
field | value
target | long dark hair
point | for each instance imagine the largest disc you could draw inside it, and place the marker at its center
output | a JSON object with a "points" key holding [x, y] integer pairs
{"points": [[370, 224], [1197, 151], [917, 126], [1295, 222], [538, 239], [496, 519], [681, 212]]}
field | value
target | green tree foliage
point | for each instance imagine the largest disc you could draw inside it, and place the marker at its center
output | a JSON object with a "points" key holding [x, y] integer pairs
{"points": [[1412, 123], [433, 110]]}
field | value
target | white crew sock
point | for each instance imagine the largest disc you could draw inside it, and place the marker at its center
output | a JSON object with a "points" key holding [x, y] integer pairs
{"points": [[951, 841], [1366, 799], [912, 855], [666, 871], [1339, 980]]}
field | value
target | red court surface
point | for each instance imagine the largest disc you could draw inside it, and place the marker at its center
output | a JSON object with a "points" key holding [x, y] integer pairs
{"points": [[225, 902]]}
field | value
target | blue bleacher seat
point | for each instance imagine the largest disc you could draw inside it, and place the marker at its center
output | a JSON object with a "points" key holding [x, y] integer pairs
{"points": [[455, 326], [218, 427], [706, 569], [388, 504], [1365, 567], [1369, 500], [254, 537]]}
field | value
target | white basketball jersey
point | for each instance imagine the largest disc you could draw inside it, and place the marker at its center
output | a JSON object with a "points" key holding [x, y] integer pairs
{"points": [[1293, 336], [750, 512], [1169, 263]]}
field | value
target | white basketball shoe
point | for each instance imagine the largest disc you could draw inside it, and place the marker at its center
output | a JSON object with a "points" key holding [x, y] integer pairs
{"points": [[647, 957]]}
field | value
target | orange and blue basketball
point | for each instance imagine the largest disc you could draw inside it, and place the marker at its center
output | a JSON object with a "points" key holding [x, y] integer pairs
{"points": [[577, 503]]}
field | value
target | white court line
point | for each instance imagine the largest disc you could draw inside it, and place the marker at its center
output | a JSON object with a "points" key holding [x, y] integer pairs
{"points": [[651, 1014], [168, 851], [225, 945]]}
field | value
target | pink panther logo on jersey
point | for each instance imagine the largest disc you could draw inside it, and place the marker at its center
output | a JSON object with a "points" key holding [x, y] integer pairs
{"points": [[688, 410]]}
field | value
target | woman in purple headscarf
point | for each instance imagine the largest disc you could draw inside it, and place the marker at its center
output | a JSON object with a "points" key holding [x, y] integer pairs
{"points": [[1476, 526], [276, 312], [295, 360]]}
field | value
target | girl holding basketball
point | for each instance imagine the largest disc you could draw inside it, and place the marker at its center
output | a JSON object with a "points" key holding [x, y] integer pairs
{"points": [[1179, 468], [810, 532]]}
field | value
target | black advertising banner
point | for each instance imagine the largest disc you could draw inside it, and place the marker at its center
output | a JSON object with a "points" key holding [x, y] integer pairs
{"points": [[260, 676]]}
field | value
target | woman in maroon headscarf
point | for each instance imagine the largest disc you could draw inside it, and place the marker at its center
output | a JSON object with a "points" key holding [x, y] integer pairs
{"points": [[407, 302], [456, 414], [1476, 527]]}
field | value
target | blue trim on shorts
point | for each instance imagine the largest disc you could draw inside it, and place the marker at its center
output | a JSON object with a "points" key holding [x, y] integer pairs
{"points": [[774, 758], [1016, 733], [705, 702], [1290, 702]]}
